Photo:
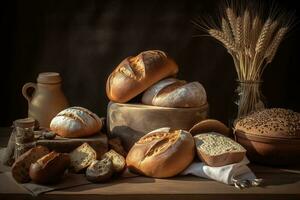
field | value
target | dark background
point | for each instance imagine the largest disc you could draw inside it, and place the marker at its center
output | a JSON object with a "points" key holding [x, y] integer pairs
{"points": [[85, 40]]}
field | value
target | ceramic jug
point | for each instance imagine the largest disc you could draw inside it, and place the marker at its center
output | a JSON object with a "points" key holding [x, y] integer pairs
{"points": [[47, 98]]}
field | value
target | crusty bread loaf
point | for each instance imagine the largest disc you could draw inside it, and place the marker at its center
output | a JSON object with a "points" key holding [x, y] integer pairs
{"points": [[100, 171], [217, 150], [162, 153], [210, 125], [20, 168], [118, 160], [135, 74], [50, 168], [175, 93], [82, 157], [76, 122], [274, 122]]}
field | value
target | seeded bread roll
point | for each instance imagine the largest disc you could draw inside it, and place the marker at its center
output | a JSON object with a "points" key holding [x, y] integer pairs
{"points": [[82, 157], [50, 168], [162, 153], [217, 150], [135, 74], [210, 125], [175, 93], [20, 169], [76, 122], [274, 122]]}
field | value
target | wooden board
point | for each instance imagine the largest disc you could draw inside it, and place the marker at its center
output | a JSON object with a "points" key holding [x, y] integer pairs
{"points": [[60, 144]]}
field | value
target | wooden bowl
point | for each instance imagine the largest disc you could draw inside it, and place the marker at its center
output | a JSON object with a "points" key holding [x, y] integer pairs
{"points": [[270, 150]]}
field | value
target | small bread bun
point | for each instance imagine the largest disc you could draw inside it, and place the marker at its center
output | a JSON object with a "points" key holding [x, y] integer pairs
{"points": [[50, 168], [100, 171], [162, 153], [210, 125], [76, 122], [135, 74], [175, 93]]}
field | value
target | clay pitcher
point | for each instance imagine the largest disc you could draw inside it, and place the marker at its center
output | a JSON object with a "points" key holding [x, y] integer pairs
{"points": [[47, 98]]}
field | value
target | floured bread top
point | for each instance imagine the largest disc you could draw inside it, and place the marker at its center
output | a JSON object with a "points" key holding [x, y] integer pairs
{"points": [[161, 141], [274, 122], [214, 144]]}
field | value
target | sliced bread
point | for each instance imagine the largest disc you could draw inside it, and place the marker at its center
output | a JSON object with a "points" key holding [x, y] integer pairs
{"points": [[118, 160], [20, 168], [82, 157], [217, 150], [100, 171]]}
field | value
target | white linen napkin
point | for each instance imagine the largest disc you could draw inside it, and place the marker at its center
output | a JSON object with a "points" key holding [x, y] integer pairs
{"points": [[237, 174]]}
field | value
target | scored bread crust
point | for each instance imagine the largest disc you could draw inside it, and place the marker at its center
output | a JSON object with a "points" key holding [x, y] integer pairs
{"points": [[76, 122], [232, 153], [135, 74], [162, 153], [175, 93]]}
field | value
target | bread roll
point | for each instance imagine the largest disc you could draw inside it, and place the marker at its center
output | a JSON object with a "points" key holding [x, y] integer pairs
{"points": [[274, 122], [100, 171], [135, 74], [162, 153], [210, 125], [50, 168], [20, 168], [76, 122], [217, 150], [119, 162], [175, 93]]}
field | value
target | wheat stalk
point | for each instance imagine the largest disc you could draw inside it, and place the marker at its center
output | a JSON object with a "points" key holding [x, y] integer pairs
{"points": [[226, 29], [223, 38], [232, 20], [261, 41], [271, 52], [246, 28], [239, 32]]}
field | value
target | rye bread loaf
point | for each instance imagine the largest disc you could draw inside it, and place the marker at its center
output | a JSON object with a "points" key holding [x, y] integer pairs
{"points": [[135, 74], [217, 150], [76, 122], [273, 122], [20, 168], [175, 93], [210, 125], [162, 153], [49, 168], [82, 157]]}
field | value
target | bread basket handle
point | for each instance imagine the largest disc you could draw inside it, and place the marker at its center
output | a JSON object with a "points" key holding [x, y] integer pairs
{"points": [[25, 92]]}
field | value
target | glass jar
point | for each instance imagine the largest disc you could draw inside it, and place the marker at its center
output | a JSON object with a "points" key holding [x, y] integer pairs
{"points": [[247, 98], [24, 136]]}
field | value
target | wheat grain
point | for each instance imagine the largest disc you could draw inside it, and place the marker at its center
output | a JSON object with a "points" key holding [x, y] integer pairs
{"points": [[219, 35], [271, 52], [246, 28], [261, 41], [232, 20], [239, 33], [226, 29]]}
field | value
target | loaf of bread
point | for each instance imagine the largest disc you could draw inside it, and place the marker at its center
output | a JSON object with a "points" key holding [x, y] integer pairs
{"points": [[118, 161], [135, 74], [162, 153], [82, 157], [50, 168], [76, 122], [100, 171], [217, 150], [274, 122], [210, 125], [20, 168], [175, 93]]}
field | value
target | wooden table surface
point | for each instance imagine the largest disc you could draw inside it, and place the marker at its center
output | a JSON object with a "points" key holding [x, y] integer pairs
{"points": [[278, 184]]}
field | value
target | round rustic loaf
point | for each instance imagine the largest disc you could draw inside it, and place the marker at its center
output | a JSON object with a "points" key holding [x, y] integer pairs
{"points": [[135, 74], [274, 122], [162, 153], [76, 122], [175, 93]]}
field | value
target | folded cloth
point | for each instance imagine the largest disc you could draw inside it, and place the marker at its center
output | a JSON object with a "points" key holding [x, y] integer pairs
{"points": [[237, 174]]}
